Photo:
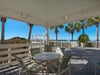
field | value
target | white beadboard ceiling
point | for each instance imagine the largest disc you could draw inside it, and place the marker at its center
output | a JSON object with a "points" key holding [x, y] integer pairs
{"points": [[49, 12]]}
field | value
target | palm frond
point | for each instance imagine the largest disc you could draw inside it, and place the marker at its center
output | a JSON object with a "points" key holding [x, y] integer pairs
{"points": [[67, 29], [77, 25], [70, 25], [85, 26], [52, 27], [81, 20], [61, 26], [90, 22], [96, 19]]}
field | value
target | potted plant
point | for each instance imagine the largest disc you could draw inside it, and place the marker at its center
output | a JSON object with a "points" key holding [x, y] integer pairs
{"points": [[83, 40]]}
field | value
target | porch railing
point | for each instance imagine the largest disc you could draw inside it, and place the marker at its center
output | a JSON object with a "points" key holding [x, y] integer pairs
{"points": [[65, 44], [22, 50]]}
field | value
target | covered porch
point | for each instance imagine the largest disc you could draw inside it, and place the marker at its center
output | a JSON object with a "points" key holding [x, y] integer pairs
{"points": [[48, 13]]}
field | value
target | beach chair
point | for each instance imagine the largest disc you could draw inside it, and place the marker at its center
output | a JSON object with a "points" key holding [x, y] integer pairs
{"points": [[60, 66], [29, 67]]}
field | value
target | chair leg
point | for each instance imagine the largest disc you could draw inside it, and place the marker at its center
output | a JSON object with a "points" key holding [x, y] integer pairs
{"points": [[28, 73], [42, 72], [58, 74], [95, 70], [19, 71], [69, 70]]}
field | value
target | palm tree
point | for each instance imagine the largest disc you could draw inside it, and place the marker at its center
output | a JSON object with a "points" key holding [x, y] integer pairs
{"points": [[95, 21], [71, 28], [83, 25], [56, 30]]}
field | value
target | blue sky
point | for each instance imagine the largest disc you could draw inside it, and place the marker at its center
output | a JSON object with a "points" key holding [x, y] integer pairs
{"points": [[14, 28]]}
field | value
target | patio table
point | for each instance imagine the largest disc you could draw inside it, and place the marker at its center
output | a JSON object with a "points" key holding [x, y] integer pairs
{"points": [[46, 57]]}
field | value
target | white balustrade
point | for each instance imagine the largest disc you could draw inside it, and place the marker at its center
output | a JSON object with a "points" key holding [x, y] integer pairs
{"points": [[22, 50]]}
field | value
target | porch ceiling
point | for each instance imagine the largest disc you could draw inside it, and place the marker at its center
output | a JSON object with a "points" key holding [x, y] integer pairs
{"points": [[49, 12]]}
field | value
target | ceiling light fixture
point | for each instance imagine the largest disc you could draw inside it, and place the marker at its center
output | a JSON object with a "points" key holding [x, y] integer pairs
{"points": [[23, 15], [66, 17]]}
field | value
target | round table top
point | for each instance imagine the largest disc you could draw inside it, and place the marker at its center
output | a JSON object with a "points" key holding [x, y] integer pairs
{"points": [[46, 56]]}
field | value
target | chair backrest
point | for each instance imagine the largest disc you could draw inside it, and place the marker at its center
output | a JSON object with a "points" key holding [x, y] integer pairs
{"points": [[20, 60], [59, 64], [65, 61], [48, 48], [34, 51], [58, 50]]}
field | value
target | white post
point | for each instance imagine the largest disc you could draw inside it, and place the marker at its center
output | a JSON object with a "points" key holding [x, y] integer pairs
{"points": [[9, 55], [30, 52], [95, 70], [36, 39], [61, 44], [54, 43]]}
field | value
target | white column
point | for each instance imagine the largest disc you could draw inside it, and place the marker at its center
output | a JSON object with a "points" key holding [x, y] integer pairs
{"points": [[47, 35]]}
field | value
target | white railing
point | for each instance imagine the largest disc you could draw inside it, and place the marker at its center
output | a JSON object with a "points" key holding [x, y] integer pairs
{"points": [[63, 44], [71, 44], [22, 50]]}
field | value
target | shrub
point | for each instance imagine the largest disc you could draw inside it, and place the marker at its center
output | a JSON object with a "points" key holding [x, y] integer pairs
{"points": [[83, 39]]}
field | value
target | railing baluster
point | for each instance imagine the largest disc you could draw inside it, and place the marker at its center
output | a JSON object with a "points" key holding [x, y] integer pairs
{"points": [[9, 55], [61, 44], [18, 49]]}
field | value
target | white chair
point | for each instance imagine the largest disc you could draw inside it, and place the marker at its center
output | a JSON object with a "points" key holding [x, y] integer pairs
{"points": [[58, 50]]}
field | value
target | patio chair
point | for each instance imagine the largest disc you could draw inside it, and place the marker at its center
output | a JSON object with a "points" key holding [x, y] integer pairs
{"points": [[48, 48], [58, 50], [29, 67], [34, 51], [60, 66]]}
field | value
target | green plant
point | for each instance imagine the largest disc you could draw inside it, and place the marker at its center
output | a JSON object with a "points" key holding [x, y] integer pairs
{"points": [[83, 39]]}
